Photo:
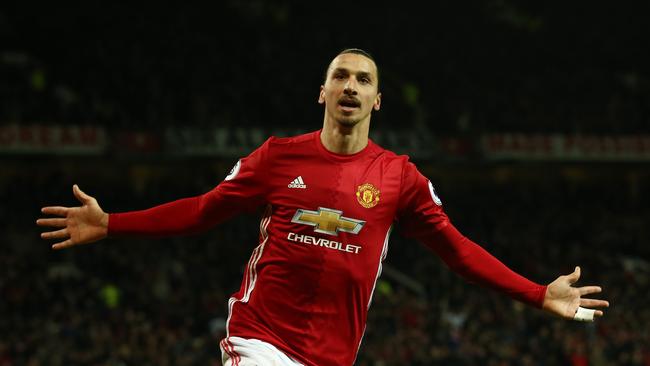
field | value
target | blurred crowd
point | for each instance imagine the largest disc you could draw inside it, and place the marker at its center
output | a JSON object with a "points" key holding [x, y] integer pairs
{"points": [[164, 302], [458, 68]]}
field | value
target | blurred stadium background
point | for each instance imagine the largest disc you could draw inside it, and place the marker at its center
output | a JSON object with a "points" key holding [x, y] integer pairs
{"points": [[533, 121]]}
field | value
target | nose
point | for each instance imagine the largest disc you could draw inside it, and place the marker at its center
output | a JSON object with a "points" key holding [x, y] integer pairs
{"points": [[350, 87]]}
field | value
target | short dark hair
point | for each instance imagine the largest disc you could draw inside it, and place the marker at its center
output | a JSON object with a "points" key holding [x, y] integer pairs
{"points": [[356, 51]]}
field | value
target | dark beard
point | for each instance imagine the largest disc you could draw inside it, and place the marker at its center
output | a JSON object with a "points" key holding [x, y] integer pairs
{"points": [[347, 122]]}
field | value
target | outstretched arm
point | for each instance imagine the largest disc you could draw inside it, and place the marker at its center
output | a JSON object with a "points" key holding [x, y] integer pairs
{"points": [[422, 217], [88, 223], [567, 302], [75, 225], [243, 189], [477, 265]]}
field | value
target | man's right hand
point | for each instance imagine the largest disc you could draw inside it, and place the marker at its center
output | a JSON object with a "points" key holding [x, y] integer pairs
{"points": [[77, 225]]}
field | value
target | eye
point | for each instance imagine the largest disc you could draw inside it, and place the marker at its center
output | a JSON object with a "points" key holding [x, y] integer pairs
{"points": [[364, 80]]}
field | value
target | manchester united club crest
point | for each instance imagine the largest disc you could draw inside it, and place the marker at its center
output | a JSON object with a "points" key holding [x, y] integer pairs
{"points": [[367, 195]]}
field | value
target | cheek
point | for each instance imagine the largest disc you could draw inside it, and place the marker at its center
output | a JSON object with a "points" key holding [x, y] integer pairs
{"points": [[331, 96]]}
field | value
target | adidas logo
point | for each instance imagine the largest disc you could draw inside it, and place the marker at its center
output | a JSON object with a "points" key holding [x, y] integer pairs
{"points": [[297, 183]]}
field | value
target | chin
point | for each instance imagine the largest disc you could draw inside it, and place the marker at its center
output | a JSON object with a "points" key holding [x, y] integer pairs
{"points": [[348, 122]]}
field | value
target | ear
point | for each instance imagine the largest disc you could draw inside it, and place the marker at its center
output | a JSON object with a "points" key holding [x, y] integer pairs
{"points": [[321, 95], [377, 104]]}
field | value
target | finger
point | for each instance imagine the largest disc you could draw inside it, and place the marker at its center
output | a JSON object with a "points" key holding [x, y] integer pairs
{"points": [[584, 314], [51, 222], [59, 234], [573, 277], [55, 210], [593, 303], [62, 245], [598, 313], [586, 290], [81, 196]]}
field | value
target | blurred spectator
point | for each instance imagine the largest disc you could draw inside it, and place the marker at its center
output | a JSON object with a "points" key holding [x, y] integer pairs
{"points": [[458, 69]]}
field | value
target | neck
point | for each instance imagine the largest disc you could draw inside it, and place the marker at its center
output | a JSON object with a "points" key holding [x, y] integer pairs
{"points": [[341, 139]]}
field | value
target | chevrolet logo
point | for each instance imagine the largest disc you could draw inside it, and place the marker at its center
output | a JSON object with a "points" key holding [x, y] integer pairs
{"points": [[328, 221]]}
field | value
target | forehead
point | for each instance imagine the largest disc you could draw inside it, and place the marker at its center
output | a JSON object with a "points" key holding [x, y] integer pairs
{"points": [[354, 63]]}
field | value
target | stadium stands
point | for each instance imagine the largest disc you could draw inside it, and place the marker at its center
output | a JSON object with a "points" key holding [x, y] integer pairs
{"points": [[126, 103]]}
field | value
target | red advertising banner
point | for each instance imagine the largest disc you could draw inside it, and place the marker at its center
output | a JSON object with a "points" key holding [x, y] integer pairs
{"points": [[42, 139], [94, 140], [561, 147]]}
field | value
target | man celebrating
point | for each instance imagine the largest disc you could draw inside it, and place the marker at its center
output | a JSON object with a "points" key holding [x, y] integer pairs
{"points": [[332, 198]]}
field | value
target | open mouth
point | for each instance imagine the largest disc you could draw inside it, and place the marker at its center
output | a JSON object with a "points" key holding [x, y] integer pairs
{"points": [[349, 103]]}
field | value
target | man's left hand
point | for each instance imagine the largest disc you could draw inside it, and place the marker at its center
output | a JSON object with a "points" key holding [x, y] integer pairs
{"points": [[567, 302]]}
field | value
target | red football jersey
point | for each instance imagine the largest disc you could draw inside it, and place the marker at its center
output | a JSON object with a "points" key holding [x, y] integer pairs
{"points": [[324, 234]]}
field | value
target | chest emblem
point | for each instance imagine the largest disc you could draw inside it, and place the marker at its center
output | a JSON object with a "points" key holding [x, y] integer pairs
{"points": [[367, 195]]}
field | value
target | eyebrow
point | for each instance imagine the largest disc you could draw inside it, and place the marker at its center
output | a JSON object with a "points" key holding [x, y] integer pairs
{"points": [[347, 71], [365, 74]]}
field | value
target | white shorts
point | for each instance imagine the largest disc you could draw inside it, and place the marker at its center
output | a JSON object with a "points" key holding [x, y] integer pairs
{"points": [[237, 351]]}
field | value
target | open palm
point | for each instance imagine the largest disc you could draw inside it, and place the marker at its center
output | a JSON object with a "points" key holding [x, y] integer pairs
{"points": [[564, 300], [76, 225]]}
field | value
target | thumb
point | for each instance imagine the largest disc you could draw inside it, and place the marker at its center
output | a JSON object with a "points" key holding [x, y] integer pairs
{"points": [[81, 196], [573, 277]]}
